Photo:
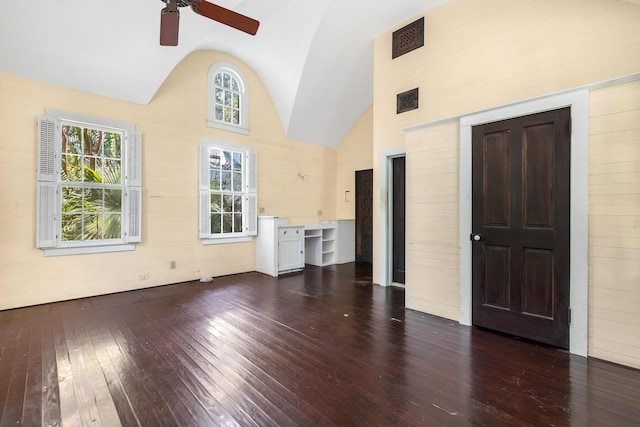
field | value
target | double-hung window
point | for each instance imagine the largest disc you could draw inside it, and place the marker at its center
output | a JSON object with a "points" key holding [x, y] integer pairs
{"points": [[89, 185], [228, 198]]}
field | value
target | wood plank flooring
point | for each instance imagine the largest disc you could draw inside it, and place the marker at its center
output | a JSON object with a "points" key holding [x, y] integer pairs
{"points": [[320, 348]]}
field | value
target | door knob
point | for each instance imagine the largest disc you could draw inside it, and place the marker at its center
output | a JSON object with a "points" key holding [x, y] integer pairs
{"points": [[476, 237]]}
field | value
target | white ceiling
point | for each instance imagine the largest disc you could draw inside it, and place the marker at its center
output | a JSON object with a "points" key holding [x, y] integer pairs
{"points": [[314, 57]]}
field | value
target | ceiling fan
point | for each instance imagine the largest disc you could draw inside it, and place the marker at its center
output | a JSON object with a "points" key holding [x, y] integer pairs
{"points": [[170, 18]]}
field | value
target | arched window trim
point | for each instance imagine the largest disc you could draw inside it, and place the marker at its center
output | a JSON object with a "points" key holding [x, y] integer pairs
{"points": [[243, 127]]}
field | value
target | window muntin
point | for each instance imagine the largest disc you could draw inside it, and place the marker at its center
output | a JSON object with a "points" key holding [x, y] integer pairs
{"points": [[227, 99], [226, 183], [91, 188], [228, 195]]}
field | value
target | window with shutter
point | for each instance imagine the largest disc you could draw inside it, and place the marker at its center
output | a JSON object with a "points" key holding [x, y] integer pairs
{"points": [[228, 192], [89, 185]]}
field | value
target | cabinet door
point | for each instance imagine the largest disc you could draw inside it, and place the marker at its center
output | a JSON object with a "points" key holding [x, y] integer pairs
{"points": [[290, 249], [289, 255]]}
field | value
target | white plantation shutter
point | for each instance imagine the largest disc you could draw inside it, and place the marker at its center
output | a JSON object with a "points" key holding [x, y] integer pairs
{"points": [[133, 214], [252, 170], [46, 206], [133, 189], [251, 216], [46, 148], [205, 223], [204, 167], [134, 159], [204, 227]]}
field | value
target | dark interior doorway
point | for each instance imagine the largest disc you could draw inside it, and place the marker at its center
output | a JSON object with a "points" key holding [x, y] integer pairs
{"points": [[364, 216], [398, 215]]}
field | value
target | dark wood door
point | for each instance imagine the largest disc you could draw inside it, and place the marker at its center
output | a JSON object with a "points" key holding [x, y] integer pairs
{"points": [[521, 189], [364, 216], [398, 273]]}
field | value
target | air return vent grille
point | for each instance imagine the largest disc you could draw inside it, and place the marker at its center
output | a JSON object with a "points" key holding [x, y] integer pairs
{"points": [[407, 101], [408, 38]]}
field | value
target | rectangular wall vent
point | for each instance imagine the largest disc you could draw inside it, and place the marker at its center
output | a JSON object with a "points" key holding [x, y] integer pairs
{"points": [[408, 38], [407, 101]]}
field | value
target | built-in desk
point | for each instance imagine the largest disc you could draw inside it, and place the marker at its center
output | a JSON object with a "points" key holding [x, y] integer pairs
{"points": [[283, 248]]}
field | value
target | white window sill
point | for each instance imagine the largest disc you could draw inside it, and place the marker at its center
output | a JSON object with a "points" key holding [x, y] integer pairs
{"points": [[230, 128], [227, 240], [89, 250]]}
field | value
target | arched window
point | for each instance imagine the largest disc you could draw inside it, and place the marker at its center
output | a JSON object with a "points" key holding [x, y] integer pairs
{"points": [[228, 100]]}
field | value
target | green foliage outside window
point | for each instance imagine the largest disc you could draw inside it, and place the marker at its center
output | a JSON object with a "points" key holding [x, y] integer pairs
{"points": [[227, 98], [91, 184], [225, 173]]}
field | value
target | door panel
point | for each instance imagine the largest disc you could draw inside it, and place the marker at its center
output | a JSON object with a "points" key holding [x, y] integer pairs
{"points": [[521, 200], [497, 179], [538, 268], [497, 278], [537, 165]]}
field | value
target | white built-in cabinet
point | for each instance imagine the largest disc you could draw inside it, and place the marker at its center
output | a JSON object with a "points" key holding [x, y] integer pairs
{"points": [[346, 241], [320, 245], [279, 246], [330, 242], [290, 248], [283, 248]]}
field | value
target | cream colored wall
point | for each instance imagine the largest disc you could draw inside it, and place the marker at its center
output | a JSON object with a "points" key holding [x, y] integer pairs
{"points": [[355, 153], [172, 127], [614, 224], [432, 222], [480, 55]]}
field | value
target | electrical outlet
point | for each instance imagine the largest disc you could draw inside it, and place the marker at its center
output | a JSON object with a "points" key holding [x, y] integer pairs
{"points": [[261, 210], [320, 212], [172, 265], [144, 276]]}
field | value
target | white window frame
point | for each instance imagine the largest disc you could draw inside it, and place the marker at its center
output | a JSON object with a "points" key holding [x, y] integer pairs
{"points": [[243, 127], [249, 193], [49, 185]]}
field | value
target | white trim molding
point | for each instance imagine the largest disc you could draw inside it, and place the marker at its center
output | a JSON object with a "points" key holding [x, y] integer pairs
{"points": [[386, 218]]}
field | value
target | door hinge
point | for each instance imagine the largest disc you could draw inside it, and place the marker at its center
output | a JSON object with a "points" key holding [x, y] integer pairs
{"points": [[569, 315]]}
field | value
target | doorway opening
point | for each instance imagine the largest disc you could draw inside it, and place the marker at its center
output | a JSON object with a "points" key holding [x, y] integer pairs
{"points": [[398, 207], [385, 224], [364, 216]]}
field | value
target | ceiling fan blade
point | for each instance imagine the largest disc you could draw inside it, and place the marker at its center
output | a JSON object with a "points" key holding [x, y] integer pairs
{"points": [[169, 23], [226, 16]]}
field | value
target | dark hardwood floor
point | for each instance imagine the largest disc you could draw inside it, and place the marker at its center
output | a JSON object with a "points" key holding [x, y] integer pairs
{"points": [[324, 347]]}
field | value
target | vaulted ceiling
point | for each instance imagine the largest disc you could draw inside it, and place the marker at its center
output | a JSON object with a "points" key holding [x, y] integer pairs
{"points": [[314, 57]]}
